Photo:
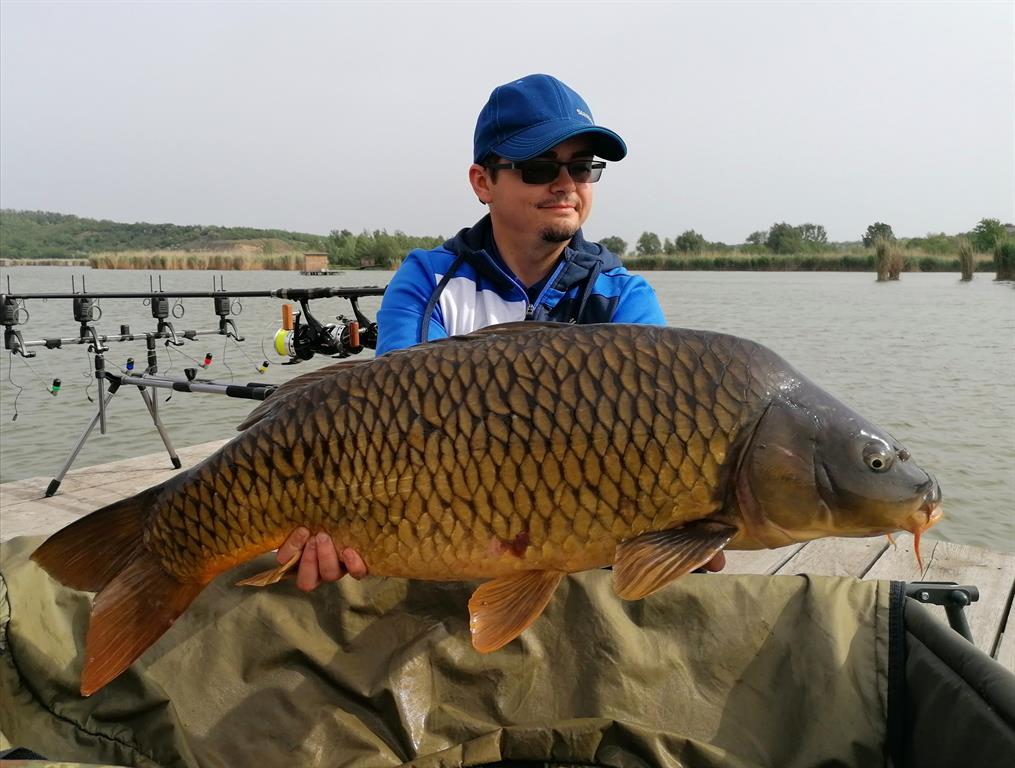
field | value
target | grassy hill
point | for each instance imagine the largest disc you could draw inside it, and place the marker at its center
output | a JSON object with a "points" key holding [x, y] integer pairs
{"points": [[43, 235]]}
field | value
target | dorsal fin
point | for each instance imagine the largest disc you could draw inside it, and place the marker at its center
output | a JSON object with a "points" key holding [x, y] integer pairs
{"points": [[290, 389], [514, 328]]}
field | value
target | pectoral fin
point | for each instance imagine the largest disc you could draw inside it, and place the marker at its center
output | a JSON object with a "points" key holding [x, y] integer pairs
{"points": [[502, 609], [647, 563], [272, 575]]}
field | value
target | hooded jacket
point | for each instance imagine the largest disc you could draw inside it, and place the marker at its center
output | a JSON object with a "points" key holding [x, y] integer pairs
{"points": [[459, 287]]}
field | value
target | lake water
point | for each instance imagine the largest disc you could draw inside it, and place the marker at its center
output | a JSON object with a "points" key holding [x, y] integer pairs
{"points": [[929, 358]]}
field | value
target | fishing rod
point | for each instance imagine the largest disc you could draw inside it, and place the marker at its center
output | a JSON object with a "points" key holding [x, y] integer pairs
{"points": [[300, 337], [124, 335], [250, 391], [294, 294], [306, 339]]}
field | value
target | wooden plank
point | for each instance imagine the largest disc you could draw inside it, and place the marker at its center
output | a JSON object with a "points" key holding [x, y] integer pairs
{"points": [[993, 573], [36, 522], [101, 474], [836, 557], [45, 515], [21, 490], [759, 560], [25, 510]]}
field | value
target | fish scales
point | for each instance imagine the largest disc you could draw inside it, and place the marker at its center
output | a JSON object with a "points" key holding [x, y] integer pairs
{"points": [[637, 446]]}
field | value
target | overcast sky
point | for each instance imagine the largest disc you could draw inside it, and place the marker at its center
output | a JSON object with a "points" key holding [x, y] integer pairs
{"points": [[328, 115]]}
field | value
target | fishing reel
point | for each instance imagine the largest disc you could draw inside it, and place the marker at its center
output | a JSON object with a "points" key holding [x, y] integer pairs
{"points": [[302, 336], [12, 313]]}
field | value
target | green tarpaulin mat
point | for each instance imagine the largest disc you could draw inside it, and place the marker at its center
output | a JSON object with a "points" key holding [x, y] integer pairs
{"points": [[715, 670]]}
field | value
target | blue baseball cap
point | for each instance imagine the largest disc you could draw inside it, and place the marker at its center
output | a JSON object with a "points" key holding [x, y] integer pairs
{"points": [[529, 116]]}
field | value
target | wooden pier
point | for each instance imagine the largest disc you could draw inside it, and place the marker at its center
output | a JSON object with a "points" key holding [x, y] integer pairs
{"points": [[25, 511]]}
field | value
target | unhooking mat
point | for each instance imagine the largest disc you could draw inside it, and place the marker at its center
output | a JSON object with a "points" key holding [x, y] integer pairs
{"points": [[715, 670]]}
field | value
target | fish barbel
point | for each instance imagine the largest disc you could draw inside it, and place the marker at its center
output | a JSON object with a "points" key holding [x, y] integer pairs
{"points": [[515, 455]]}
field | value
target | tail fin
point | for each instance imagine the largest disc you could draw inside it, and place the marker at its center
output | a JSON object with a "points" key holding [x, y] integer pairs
{"points": [[133, 611], [138, 599], [89, 552]]}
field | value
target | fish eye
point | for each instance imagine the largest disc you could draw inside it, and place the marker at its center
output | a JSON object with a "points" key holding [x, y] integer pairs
{"points": [[877, 456]]}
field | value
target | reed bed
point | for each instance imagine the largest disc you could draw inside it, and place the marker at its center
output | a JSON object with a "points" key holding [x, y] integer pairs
{"points": [[966, 261], [1004, 260], [905, 260], [889, 261], [215, 260], [911, 261], [734, 261]]}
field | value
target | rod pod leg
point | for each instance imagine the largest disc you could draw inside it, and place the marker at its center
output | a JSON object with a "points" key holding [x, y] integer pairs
{"points": [[54, 484], [152, 402]]}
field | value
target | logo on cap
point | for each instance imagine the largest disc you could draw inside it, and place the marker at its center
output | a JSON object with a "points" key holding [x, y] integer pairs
{"points": [[586, 115]]}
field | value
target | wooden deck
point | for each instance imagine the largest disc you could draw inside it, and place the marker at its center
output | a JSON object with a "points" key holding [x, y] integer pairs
{"points": [[25, 511]]}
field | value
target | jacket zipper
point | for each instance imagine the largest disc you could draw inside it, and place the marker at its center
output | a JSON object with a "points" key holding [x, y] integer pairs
{"points": [[530, 309]]}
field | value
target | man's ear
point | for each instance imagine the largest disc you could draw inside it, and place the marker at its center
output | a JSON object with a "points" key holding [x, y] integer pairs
{"points": [[479, 178]]}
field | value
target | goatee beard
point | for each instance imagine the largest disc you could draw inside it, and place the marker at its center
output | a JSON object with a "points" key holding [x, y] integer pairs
{"points": [[558, 235]]}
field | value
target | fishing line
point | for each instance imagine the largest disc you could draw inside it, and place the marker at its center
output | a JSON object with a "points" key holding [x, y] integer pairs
{"points": [[53, 388], [34, 372], [264, 328], [264, 355], [169, 356], [225, 346], [199, 363], [10, 378], [243, 352], [90, 376]]}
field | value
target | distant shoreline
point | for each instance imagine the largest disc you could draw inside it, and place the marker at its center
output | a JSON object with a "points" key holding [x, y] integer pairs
{"points": [[35, 237], [44, 263], [818, 263], [827, 261]]}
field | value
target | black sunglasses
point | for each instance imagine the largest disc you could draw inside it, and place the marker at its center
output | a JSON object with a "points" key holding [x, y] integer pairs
{"points": [[545, 171]]}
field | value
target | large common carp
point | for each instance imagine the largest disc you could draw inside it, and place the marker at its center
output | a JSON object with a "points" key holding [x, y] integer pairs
{"points": [[515, 455]]}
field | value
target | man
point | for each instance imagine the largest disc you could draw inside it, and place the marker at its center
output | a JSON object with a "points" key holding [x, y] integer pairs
{"points": [[534, 164]]}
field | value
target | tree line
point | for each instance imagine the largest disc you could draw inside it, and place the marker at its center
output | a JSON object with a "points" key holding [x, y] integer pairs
{"points": [[44, 235], [374, 249], [788, 239]]}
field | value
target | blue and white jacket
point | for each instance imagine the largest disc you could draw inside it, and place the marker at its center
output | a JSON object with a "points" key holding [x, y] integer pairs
{"points": [[459, 288]]}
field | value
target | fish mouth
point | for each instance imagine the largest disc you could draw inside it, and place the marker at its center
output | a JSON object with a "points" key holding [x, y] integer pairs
{"points": [[925, 517]]}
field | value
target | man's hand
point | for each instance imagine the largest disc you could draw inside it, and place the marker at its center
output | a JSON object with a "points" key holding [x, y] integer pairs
{"points": [[320, 561]]}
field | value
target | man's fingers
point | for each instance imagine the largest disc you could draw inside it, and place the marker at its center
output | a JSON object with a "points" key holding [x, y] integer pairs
{"points": [[295, 543], [320, 560], [328, 564], [354, 563], [307, 578]]}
